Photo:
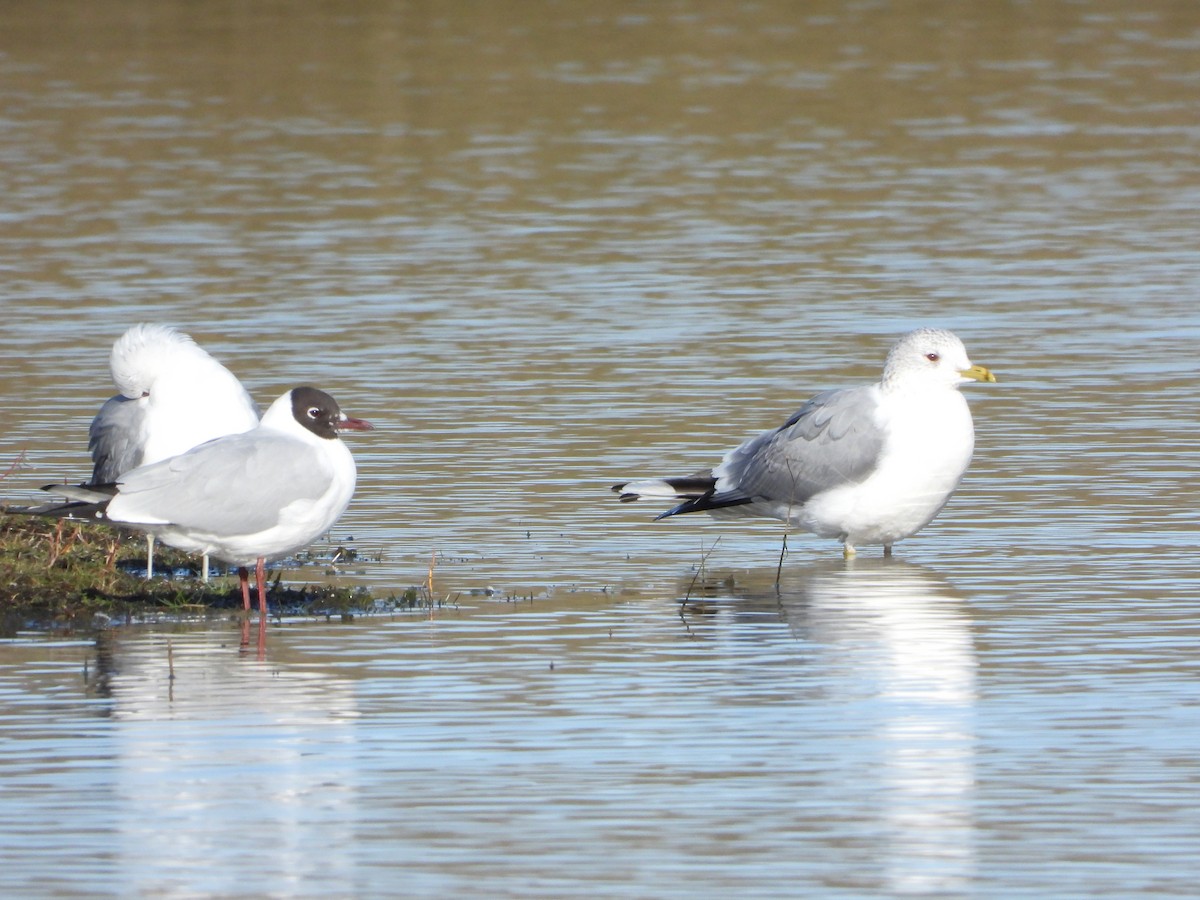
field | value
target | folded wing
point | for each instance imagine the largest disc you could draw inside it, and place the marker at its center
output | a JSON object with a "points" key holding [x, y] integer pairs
{"points": [[232, 485], [832, 440]]}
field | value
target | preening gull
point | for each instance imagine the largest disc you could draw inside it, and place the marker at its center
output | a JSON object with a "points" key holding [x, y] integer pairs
{"points": [[865, 465], [173, 396]]}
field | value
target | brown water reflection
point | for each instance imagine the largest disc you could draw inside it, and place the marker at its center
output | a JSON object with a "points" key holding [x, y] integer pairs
{"points": [[548, 246]]}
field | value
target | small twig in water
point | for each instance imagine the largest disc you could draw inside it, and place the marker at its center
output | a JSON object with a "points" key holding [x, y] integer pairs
{"points": [[17, 463], [699, 570], [429, 581]]}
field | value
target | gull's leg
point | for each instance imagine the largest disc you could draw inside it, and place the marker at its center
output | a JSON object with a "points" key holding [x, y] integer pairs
{"points": [[887, 549], [848, 551], [244, 580], [204, 568], [260, 576], [149, 556]]}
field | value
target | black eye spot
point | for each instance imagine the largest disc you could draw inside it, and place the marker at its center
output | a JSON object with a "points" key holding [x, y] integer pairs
{"points": [[932, 357]]}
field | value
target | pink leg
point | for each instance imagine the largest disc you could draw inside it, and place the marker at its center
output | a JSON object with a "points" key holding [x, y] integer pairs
{"points": [[244, 579], [260, 576]]}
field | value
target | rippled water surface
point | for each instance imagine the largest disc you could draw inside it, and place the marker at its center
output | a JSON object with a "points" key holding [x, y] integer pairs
{"points": [[545, 247]]}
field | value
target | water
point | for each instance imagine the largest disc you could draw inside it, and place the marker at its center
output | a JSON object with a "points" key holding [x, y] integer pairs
{"points": [[546, 248]]}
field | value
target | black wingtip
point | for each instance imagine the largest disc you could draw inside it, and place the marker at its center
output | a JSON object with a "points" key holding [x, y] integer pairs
{"points": [[704, 504], [71, 509], [106, 487], [695, 504]]}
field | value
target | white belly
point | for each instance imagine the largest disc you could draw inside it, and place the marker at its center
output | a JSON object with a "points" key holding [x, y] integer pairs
{"points": [[928, 450]]}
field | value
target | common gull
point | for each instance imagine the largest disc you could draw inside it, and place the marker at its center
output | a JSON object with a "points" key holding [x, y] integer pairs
{"points": [[865, 465]]}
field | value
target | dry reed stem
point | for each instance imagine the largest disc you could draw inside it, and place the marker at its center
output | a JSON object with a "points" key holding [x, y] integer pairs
{"points": [[429, 581]]}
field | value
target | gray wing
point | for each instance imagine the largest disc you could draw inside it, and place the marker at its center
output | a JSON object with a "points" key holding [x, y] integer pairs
{"points": [[832, 440], [231, 485], [116, 438]]}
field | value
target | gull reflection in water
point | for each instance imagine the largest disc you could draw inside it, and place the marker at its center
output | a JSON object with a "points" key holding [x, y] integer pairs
{"points": [[888, 649], [224, 767]]}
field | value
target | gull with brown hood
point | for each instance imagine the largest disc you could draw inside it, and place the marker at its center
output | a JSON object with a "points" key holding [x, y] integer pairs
{"points": [[243, 498]]}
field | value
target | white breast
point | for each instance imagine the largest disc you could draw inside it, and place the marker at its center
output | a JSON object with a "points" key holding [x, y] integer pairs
{"points": [[930, 442]]}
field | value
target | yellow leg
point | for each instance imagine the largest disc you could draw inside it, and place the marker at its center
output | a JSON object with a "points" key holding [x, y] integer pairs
{"points": [[848, 550]]}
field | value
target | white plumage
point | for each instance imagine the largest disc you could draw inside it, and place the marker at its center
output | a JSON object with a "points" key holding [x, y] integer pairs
{"points": [[173, 397]]}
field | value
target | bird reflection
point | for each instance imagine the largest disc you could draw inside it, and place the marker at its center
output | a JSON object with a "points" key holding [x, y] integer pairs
{"points": [[213, 748], [889, 648]]}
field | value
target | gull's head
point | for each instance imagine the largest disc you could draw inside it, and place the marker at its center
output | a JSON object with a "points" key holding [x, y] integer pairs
{"points": [[145, 354], [930, 357], [319, 413], [310, 414]]}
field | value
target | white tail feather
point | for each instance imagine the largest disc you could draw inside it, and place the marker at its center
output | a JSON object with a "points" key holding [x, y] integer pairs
{"points": [[651, 487]]}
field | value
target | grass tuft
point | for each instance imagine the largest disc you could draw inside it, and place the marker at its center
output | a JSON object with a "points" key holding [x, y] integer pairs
{"points": [[65, 575]]}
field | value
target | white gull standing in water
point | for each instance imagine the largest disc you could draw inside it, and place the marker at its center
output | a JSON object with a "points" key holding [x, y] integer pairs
{"points": [[173, 396], [864, 465]]}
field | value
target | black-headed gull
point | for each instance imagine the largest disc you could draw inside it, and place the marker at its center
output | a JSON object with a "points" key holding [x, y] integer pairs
{"points": [[242, 498], [173, 397], [865, 465]]}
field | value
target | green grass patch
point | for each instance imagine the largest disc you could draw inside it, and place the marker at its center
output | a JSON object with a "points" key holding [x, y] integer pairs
{"points": [[67, 574]]}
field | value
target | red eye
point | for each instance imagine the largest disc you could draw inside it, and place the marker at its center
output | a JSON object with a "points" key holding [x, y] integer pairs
{"points": [[932, 357]]}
